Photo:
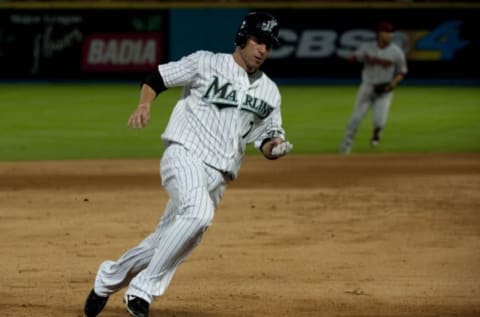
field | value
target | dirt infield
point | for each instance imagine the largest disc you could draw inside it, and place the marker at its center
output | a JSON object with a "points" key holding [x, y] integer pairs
{"points": [[363, 235]]}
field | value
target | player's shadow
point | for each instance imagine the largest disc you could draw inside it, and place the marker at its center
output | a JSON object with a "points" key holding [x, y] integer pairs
{"points": [[158, 312]]}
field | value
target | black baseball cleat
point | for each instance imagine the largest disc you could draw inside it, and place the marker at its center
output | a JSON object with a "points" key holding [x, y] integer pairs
{"points": [[375, 140], [136, 306], [94, 304]]}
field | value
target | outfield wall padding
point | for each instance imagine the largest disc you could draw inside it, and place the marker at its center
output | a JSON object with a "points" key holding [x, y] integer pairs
{"points": [[121, 43]]}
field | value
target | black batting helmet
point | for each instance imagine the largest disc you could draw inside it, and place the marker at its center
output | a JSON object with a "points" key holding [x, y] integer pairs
{"points": [[260, 24]]}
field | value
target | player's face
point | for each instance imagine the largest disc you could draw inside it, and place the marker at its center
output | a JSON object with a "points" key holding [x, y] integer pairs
{"points": [[385, 38], [254, 53]]}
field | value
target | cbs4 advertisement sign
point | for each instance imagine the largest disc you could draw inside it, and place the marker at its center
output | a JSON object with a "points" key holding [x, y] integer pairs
{"points": [[436, 42]]}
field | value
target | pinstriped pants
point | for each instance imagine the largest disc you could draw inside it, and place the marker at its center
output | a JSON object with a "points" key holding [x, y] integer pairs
{"points": [[194, 191]]}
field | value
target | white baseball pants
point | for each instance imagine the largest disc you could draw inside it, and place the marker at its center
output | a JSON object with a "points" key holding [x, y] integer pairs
{"points": [[365, 98], [194, 191]]}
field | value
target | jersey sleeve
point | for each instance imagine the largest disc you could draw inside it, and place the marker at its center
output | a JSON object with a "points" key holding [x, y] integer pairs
{"points": [[270, 127], [183, 71]]}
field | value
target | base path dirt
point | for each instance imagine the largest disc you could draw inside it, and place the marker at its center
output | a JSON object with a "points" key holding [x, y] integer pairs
{"points": [[329, 235]]}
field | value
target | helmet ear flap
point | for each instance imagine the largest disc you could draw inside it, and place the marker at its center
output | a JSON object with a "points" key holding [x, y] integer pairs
{"points": [[241, 38]]}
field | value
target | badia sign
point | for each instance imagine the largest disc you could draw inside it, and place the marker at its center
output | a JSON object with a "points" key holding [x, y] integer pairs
{"points": [[121, 52], [78, 44]]}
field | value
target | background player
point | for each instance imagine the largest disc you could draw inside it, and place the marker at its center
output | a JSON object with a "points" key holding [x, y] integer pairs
{"points": [[226, 103], [384, 66]]}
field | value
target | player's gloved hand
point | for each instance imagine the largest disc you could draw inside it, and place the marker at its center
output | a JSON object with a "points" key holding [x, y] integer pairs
{"points": [[282, 148], [276, 148], [140, 117], [383, 88]]}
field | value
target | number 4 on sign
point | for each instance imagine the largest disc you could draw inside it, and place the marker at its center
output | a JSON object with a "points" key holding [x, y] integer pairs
{"points": [[444, 38]]}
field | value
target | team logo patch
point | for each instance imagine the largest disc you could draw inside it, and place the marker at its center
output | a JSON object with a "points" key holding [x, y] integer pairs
{"points": [[222, 95], [256, 105], [268, 26]]}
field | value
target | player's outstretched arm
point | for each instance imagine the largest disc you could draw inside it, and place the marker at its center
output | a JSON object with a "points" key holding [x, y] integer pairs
{"points": [[140, 117], [152, 86], [274, 148], [397, 79]]}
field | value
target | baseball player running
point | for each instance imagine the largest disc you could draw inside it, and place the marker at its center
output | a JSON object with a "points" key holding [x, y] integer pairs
{"points": [[226, 103], [384, 66]]}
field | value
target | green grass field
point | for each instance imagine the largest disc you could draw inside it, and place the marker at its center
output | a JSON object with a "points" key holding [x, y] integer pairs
{"points": [[83, 121]]}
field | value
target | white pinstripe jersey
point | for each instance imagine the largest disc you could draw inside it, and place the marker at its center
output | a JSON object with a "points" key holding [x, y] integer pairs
{"points": [[384, 63], [221, 108]]}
